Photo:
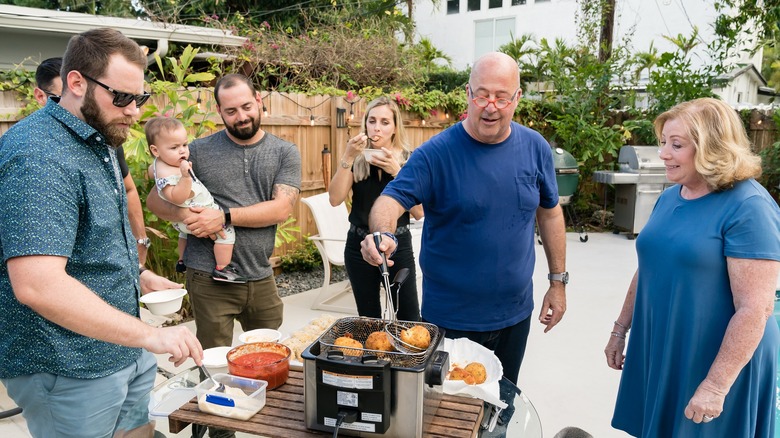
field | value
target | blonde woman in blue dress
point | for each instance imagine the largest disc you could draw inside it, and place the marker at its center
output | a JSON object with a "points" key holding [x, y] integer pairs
{"points": [[702, 355]]}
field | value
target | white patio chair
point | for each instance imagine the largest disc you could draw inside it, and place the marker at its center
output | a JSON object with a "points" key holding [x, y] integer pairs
{"points": [[332, 226]]}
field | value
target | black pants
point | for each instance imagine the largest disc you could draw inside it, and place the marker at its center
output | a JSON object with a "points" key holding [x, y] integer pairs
{"points": [[366, 279]]}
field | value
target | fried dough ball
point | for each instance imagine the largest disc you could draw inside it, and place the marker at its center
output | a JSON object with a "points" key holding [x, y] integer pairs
{"points": [[477, 370], [379, 341], [459, 373], [417, 336], [354, 347]]}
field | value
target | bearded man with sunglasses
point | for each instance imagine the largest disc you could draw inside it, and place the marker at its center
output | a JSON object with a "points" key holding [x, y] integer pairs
{"points": [[74, 354], [482, 183]]}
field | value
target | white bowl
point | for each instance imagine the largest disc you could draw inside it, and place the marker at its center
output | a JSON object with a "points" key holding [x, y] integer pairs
{"points": [[260, 335], [215, 359], [369, 154], [164, 302]]}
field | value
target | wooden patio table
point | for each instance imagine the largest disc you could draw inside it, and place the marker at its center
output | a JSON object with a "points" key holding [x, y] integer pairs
{"points": [[283, 415]]}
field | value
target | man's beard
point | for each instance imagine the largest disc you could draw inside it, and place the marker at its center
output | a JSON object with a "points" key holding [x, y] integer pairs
{"points": [[245, 132], [115, 136]]}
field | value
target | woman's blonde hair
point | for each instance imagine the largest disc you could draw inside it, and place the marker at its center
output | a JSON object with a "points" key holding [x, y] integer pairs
{"points": [[723, 154], [360, 169]]}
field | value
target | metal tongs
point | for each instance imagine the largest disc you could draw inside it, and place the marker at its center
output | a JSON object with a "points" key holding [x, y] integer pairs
{"points": [[393, 328]]}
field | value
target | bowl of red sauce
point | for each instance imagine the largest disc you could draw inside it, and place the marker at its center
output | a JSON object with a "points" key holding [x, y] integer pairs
{"points": [[269, 361]]}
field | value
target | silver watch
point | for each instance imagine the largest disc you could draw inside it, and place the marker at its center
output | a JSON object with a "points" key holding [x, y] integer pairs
{"points": [[146, 242], [563, 277]]}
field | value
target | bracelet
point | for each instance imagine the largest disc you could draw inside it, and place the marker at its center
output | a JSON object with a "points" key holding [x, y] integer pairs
{"points": [[345, 165], [141, 270], [392, 236], [618, 335], [622, 326]]}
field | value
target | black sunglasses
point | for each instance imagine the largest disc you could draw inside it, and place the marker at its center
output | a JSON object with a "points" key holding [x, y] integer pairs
{"points": [[122, 99], [49, 93]]}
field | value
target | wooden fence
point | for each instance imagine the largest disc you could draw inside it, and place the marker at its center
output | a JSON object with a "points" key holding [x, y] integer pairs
{"points": [[313, 123]]}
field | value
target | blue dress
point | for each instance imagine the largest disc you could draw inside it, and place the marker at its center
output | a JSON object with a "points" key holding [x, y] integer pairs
{"points": [[683, 306]]}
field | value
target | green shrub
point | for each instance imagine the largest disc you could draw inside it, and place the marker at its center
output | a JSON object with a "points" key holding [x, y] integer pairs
{"points": [[447, 80], [305, 257]]}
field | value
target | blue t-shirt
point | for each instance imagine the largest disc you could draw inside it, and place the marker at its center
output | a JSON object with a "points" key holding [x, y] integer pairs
{"points": [[62, 194], [683, 306], [480, 202]]}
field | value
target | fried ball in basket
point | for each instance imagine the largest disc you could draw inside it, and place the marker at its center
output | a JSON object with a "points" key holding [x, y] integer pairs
{"points": [[417, 336], [478, 371], [459, 373], [354, 348], [379, 341]]}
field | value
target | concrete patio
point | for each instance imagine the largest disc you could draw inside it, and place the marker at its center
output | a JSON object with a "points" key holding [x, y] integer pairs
{"points": [[564, 373]]}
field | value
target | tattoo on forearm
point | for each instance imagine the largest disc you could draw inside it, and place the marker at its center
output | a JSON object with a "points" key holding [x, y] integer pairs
{"points": [[289, 192]]}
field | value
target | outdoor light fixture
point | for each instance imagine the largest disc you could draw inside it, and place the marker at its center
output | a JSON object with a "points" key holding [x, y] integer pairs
{"points": [[341, 114], [311, 120]]}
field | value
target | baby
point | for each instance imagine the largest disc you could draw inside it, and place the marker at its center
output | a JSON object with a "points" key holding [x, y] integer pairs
{"points": [[177, 184]]}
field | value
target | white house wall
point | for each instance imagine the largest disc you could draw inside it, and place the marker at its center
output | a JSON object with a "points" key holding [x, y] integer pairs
{"points": [[454, 34]]}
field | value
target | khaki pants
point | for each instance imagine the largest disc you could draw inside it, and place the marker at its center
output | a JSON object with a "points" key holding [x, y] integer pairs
{"points": [[215, 305]]}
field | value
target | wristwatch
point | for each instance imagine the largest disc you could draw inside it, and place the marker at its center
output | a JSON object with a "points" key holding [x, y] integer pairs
{"points": [[227, 215], [146, 242], [563, 277]]}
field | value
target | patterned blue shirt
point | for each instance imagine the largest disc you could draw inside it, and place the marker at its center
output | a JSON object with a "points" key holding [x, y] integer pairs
{"points": [[61, 194]]}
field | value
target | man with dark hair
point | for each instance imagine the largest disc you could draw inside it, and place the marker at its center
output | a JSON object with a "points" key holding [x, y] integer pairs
{"points": [[255, 177], [47, 80], [49, 84], [81, 357]]}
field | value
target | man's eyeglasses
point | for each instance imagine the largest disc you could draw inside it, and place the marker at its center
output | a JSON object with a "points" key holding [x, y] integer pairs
{"points": [[122, 99], [499, 103]]}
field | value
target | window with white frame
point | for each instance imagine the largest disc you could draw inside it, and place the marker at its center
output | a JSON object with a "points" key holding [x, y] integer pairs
{"points": [[474, 5], [491, 34], [518, 2], [453, 6], [492, 4]]}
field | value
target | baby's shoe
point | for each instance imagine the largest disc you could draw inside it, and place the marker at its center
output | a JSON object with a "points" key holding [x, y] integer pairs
{"points": [[181, 267], [228, 274]]}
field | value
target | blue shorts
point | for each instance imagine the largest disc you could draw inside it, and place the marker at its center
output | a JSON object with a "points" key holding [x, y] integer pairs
{"points": [[69, 407]]}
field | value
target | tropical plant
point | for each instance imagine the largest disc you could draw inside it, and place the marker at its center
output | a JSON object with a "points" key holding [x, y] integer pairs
{"points": [[675, 79], [428, 54]]}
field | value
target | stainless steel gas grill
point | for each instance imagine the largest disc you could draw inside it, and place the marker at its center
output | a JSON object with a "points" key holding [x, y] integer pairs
{"points": [[375, 393], [638, 184]]}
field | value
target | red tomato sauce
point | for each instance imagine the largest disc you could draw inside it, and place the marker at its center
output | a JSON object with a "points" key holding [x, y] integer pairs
{"points": [[252, 360]]}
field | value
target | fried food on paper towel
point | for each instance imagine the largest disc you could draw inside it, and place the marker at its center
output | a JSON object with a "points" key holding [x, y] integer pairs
{"points": [[459, 373], [417, 336], [473, 374], [478, 371]]}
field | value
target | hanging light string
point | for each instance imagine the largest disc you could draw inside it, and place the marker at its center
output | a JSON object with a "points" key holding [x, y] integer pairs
{"points": [[351, 104], [309, 108], [262, 100]]}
